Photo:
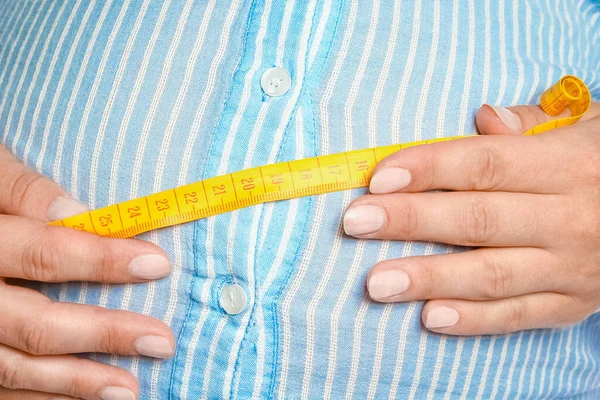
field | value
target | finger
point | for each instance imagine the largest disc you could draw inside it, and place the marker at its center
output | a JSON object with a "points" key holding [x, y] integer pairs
{"points": [[26, 193], [516, 120], [32, 250], [488, 163], [482, 274], [9, 394], [532, 311], [36, 325], [67, 375], [461, 218]]}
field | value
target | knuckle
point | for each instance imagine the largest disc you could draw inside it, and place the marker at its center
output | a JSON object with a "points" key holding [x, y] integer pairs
{"points": [[584, 227], [78, 385], [39, 260], [112, 338], [484, 174], [35, 337], [517, 314], [496, 279], [23, 187], [480, 223], [106, 260], [408, 226], [593, 229], [10, 372], [427, 281]]}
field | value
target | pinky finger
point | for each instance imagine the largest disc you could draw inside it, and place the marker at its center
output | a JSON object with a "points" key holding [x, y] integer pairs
{"points": [[9, 394], [532, 311]]}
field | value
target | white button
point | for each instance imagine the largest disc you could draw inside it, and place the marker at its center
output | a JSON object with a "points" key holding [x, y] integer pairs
{"points": [[275, 81], [233, 299]]}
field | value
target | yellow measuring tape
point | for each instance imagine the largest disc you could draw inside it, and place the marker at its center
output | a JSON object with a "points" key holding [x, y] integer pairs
{"points": [[284, 180]]}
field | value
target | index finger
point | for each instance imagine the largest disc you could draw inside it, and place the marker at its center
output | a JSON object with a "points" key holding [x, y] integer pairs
{"points": [[483, 163], [26, 193]]}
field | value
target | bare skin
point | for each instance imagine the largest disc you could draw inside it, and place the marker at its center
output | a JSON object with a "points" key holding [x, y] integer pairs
{"points": [[529, 204], [38, 336]]}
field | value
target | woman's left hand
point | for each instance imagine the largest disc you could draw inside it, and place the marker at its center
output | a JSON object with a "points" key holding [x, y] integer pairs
{"points": [[531, 206]]}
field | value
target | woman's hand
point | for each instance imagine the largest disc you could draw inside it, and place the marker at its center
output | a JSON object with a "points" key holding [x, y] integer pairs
{"points": [[36, 334], [531, 204]]}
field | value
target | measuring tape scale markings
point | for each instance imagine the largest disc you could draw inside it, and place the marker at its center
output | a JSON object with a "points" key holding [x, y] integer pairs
{"points": [[285, 180]]}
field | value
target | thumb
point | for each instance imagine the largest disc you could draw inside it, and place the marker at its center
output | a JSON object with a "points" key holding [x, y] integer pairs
{"points": [[516, 120]]}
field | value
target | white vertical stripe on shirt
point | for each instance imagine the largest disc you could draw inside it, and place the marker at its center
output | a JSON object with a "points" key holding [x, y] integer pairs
{"points": [[502, 42], [467, 95], [83, 124], [9, 16], [53, 63], [66, 117], [536, 67], [36, 73], [10, 48], [314, 48], [546, 361], [517, 52], [401, 346], [586, 360], [297, 280], [431, 65], [407, 73], [103, 126], [532, 335], [357, 261], [486, 367], [511, 370], [34, 79], [568, 352], [500, 366], [557, 358], [443, 107], [574, 368], [594, 369], [487, 50], [20, 66], [570, 40]]}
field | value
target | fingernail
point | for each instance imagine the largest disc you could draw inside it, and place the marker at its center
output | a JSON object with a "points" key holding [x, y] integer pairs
{"points": [[441, 317], [386, 283], [389, 180], [154, 346], [63, 207], [117, 393], [150, 266], [360, 220], [508, 118]]}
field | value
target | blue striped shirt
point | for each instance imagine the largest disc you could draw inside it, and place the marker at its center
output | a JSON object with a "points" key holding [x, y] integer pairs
{"points": [[119, 99]]}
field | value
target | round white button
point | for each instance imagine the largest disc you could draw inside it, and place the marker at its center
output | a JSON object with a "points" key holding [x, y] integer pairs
{"points": [[275, 81], [233, 299]]}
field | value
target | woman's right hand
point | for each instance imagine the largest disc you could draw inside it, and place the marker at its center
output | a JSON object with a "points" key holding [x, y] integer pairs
{"points": [[38, 335]]}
